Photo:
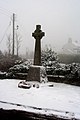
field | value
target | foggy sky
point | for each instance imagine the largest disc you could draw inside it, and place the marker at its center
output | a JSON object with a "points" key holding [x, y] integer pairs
{"points": [[60, 19]]}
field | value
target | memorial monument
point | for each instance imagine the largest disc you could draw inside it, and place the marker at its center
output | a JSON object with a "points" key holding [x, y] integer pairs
{"points": [[36, 71], [38, 34]]}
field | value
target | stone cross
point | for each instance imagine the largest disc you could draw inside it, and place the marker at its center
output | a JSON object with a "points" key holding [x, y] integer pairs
{"points": [[38, 34], [37, 72]]}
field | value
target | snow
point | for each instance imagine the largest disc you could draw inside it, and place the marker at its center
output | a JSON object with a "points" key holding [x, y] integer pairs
{"points": [[61, 99]]}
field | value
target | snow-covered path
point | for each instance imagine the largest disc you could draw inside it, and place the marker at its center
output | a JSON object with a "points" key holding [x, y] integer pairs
{"points": [[61, 99]]}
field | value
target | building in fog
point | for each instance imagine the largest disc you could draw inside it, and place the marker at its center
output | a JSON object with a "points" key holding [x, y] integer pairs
{"points": [[71, 47]]}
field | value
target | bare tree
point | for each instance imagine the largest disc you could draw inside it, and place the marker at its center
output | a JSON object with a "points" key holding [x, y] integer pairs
{"points": [[9, 44]]}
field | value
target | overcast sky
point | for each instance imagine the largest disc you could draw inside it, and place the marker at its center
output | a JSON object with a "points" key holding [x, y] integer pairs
{"points": [[60, 19]]}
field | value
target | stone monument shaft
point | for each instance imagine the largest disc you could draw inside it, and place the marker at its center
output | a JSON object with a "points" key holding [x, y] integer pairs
{"points": [[38, 34]]}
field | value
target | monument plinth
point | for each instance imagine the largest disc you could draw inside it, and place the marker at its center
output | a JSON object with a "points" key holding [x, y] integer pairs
{"points": [[36, 71]]}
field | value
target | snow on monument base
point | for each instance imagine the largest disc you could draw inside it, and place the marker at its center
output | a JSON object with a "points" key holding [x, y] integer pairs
{"points": [[37, 73]]}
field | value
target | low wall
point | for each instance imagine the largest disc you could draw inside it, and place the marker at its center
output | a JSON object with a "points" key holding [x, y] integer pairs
{"points": [[51, 78], [62, 79]]}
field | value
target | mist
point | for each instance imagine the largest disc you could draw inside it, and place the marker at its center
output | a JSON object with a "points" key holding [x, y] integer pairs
{"points": [[60, 19]]}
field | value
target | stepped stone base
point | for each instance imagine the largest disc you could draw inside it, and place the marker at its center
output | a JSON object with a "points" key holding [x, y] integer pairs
{"points": [[37, 73]]}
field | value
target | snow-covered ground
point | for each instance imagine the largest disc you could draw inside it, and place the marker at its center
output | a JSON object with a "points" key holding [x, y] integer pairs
{"points": [[60, 99]]}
